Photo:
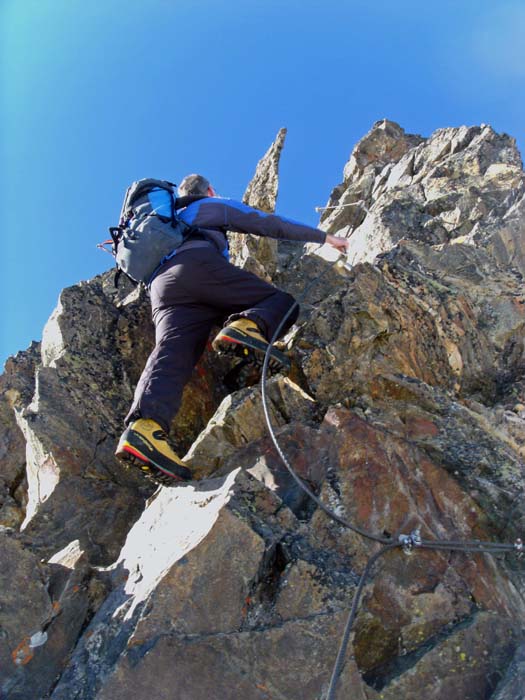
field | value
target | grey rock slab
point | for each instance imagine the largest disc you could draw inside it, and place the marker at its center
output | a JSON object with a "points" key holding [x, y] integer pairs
{"points": [[511, 686], [42, 610], [16, 390], [239, 420], [290, 662], [466, 666]]}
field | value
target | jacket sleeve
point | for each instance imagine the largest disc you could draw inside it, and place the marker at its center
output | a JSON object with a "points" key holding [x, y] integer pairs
{"points": [[235, 216]]}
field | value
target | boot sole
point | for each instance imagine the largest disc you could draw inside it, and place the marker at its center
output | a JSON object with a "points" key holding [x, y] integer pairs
{"points": [[243, 373], [253, 351], [128, 455]]}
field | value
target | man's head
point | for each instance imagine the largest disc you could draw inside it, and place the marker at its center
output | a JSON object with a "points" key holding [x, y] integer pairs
{"points": [[195, 184]]}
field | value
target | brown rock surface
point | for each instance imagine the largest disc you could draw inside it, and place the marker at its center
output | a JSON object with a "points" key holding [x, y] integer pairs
{"points": [[405, 411]]}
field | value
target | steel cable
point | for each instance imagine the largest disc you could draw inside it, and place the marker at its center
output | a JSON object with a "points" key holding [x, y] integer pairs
{"points": [[338, 666], [297, 479], [408, 543]]}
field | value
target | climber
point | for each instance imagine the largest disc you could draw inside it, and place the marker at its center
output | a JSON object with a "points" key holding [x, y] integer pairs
{"points": [[196, 289]]}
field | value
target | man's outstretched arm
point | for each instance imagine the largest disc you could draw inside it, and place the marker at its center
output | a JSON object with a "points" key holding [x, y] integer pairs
{"points": [[235, 216]]}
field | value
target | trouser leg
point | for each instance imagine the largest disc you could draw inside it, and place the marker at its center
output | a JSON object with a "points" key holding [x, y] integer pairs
{"points": [[269, 313], [194, 292], [236, 292], [178, 348]]}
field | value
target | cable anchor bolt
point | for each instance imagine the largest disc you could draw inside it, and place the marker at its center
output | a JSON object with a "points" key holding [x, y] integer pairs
{"points": [[408, 542]]}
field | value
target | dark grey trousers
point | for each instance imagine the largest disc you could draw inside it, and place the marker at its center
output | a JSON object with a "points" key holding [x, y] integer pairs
{"points": [[197, 290]]}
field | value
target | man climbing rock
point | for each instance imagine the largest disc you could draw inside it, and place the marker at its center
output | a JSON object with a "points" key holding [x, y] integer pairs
{"points": [[196, 289]]}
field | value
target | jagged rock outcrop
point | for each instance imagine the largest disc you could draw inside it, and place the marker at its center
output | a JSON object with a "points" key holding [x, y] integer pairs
{"points": [[16, 389], [255, 253], [455, 186], [405, 409]]}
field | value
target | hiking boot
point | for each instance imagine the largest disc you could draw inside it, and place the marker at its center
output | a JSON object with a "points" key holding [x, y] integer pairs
{"points": [[244, 339], [145, 445]]}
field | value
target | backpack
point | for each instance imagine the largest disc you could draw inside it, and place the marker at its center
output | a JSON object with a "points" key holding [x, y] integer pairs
{"points": [[149, 229]]}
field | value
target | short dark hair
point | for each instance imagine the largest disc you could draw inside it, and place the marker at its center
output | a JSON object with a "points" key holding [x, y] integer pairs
{"points": [[194, 184]]}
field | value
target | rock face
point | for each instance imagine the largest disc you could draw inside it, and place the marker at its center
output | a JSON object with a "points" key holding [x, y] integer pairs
{"points": [[404, 410], [255, 253]]}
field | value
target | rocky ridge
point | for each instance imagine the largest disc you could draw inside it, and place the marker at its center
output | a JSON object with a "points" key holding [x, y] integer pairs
{"points": [[405, 409]]}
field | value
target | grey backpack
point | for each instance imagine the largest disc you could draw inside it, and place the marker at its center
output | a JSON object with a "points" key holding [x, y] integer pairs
{"points": [[149, 229]]}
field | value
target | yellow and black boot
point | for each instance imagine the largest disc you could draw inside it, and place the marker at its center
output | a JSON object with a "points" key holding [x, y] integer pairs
{"points": [[243, 338], [145, 445]]}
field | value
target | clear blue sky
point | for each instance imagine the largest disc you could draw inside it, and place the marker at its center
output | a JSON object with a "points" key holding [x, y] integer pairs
{"points": [[96, 94]]}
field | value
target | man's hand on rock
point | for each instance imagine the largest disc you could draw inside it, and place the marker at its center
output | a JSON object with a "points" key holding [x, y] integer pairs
{"points": [[341, 244]]}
